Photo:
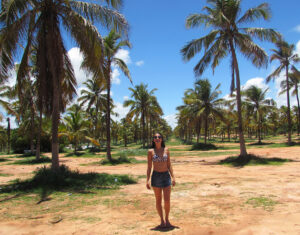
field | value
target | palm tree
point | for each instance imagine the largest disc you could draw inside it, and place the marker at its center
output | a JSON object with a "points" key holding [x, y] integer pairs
{"points": [[40, 23], [112, 44], [7, 92], [204, 101], [255, 97], [139, 105], [94, 96], [294, 82], [228, 34], [286, 57], [76, 126], [153, 117]]}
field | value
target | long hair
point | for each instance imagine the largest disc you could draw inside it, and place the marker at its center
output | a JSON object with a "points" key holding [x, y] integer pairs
{"points": [[162, 141]]}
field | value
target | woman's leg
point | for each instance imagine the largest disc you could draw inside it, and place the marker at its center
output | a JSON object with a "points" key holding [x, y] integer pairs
{"points": [[158, 197], [167, 195]]}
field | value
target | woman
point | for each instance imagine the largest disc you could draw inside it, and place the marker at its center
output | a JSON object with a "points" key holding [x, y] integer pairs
{"points": [[159, 155]]}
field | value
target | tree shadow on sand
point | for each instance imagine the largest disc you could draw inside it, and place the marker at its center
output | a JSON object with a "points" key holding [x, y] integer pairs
{"points": [[45, 182], [253, 160]]}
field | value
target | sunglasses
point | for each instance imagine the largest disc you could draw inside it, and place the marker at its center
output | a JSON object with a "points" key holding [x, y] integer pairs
{"points": [[157, 137]]}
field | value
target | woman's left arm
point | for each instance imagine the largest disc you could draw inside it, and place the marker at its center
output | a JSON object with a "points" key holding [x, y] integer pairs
{"points": [[170, 168]]}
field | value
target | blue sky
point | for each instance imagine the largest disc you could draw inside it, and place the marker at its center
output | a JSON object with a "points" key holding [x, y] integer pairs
{"points": [[157, 33]]}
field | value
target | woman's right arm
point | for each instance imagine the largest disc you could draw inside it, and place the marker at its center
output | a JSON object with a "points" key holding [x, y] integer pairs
{"points": [[149, 157]]}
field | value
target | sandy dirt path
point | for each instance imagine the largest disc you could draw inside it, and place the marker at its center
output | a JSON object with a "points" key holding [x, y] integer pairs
{"points": [[208, 199]]}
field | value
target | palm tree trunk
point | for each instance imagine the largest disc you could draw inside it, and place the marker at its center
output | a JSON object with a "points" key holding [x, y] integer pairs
{"points": [[259, 129], [38, 141], [206, 125], [243, 151], [143, 126], [108, 150], [228, 133], [32, 129], [8, 135], [288, 104], [298, 105], [55, 123]]}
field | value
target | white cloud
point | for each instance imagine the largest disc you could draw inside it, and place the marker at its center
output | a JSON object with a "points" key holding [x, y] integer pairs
{"points": [[139, 63], [171, 120], [115, 77], [123, 55], [125, 97], [122, 111], [105, 92], [259, 82], [76, 59], [281, 99], [297, 28], [229, 97]]}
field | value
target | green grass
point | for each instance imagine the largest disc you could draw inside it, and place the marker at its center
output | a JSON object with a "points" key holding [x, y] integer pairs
{"points": [[5, 175], [133, 152], [264, 202], [203, 154], [32, 161], [253, 161], [122, 159], [47, 180], [84, 155]]}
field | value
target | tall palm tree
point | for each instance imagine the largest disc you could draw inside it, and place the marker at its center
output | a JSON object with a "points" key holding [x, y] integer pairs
{"points": [[40, 23], [139, 105], [227, 35], [103, 70], [294, 79], [255, 97], [94, 96], [286, 57], [204, 101]]}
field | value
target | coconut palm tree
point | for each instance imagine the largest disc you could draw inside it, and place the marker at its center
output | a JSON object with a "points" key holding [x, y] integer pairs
{"points": [[103, 70], [204, 101], [227, 35], [257, 102], [94, 96], [294, 80], [40, 23], [76, 125], [286, 57], [139, 105]]}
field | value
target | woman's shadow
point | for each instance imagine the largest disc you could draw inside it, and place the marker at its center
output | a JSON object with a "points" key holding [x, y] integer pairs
{"points": [[164, 229]]}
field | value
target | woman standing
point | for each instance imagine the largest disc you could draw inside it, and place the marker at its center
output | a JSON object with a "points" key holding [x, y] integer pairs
{"points": [[159, 155]]}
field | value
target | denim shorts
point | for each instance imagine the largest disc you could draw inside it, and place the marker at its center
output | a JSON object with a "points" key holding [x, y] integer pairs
{"points": [[160, 179]]}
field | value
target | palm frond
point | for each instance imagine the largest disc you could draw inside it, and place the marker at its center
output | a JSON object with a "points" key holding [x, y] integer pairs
{"points": [[260, 12]]}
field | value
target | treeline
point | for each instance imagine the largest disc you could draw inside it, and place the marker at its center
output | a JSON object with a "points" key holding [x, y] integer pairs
{"points": [[206, 115]]}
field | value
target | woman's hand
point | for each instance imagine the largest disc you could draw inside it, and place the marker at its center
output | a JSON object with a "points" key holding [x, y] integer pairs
{"points": [[148, 185], [173, 182]]}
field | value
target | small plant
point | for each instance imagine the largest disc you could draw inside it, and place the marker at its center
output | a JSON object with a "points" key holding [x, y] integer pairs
{"points": [[267, 203]]}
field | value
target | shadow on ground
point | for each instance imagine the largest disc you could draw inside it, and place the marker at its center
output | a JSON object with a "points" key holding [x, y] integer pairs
{"points": [[164, 229]]}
